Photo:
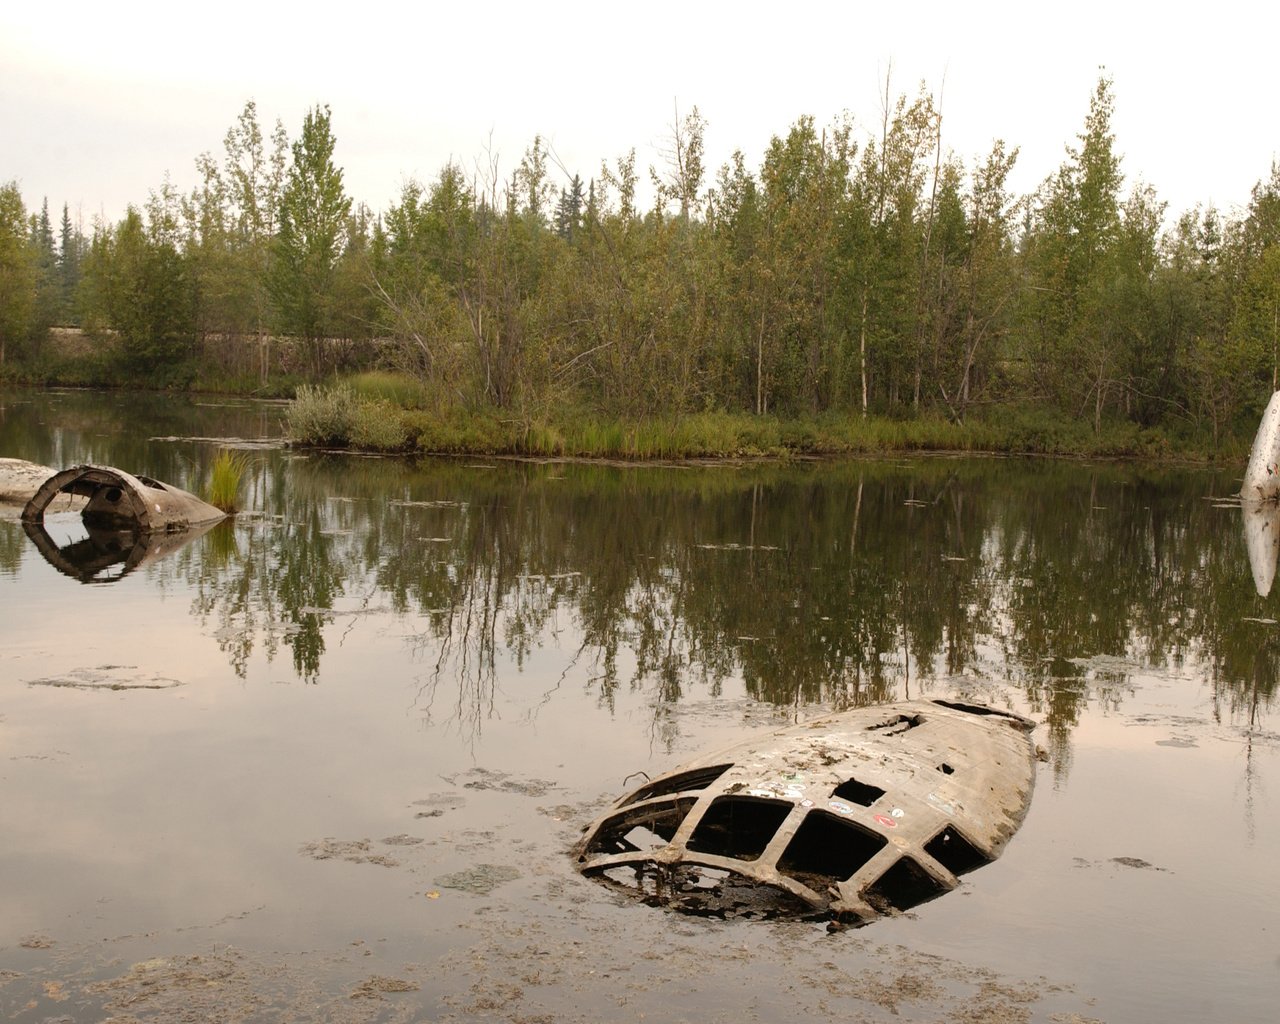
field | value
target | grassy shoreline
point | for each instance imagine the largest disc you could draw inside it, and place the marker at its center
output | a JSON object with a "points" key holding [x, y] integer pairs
{"points": [[381, 413], [384, 413]]}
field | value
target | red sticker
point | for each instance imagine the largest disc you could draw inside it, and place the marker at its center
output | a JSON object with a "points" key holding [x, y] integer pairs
{"points": [[886, 821]]}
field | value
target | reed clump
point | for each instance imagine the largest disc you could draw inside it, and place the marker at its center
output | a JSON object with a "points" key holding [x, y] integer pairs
{"points": [[225, 475]]}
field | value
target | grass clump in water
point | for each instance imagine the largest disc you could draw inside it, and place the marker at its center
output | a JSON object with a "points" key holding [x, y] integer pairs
{"points": [[224, 480]]}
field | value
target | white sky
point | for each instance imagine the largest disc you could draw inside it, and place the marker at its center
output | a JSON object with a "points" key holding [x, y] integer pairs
{"points": [[99, 100]]}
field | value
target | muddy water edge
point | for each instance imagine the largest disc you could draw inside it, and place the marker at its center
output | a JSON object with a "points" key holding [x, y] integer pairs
{"points": [[326, 761]]}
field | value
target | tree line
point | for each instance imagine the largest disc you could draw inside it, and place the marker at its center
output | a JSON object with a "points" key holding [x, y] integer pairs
{"points": [[869, 272]]}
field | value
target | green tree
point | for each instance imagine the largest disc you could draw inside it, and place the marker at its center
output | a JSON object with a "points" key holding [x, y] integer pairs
{"points": [[355, 301], [427, 253], [804, 181], [1256, 316], [45, 311], [70, 252], [254, 179], [1071, 253], [140, 288], [569, 210], [313, 215], [882, 242], [18, 271], [683, 152]]}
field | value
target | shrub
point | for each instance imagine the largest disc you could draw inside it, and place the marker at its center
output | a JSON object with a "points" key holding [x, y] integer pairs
{"points": [[322, 416], [377, 426]]}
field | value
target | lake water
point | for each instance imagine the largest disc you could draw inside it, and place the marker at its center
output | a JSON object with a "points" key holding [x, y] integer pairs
{"points": [[326, 761]]}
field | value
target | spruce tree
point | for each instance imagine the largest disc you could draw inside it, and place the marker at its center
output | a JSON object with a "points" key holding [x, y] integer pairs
{"points": [[70, 244]]}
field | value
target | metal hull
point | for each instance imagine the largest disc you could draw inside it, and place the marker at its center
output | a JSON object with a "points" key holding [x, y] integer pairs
{"points": [[853, 816], [117, 498]]}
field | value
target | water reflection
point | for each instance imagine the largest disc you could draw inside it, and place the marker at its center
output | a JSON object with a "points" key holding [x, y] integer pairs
{"points": [[1262, 541], [87, 559], [840, 583]]}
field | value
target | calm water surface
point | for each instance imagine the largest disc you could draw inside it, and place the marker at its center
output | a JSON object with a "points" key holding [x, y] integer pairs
{"points": [[325, 761]]}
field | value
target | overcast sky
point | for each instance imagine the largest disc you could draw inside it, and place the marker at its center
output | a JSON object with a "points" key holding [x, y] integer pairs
{"points": [[99, 100]]}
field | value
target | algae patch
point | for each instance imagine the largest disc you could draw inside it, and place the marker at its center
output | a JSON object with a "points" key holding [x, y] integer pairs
{"points": [[479, 880]]}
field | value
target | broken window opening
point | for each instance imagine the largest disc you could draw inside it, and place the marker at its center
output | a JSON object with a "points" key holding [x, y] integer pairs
{"points": [[826, 848], [739, 827], [903, 886], [858, 792], [652, 826], [896, 725], [642, 838], [954, 852], [685, 782]]}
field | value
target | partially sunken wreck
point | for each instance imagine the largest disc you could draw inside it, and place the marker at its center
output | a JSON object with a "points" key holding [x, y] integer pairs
{"points": [[117, 498], [851, 817]]}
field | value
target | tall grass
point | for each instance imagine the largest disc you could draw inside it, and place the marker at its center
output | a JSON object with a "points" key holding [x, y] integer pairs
{"points": [[224, 480], [381, 385]]}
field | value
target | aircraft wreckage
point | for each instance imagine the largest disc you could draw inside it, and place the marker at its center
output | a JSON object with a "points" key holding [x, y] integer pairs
{"points": [[849, 817], [1260, 498], [117, 498], [130, 520]]}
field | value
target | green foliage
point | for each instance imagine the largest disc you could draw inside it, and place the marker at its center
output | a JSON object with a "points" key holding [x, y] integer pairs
{"points": [[18, 272], [398, 389], [310, 238], [377, 426], [70, 253], [322, 416], [849, 277], [225, 475], [338, 417], [138, 286]]}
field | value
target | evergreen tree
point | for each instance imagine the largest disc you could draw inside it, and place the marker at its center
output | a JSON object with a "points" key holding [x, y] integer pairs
{"points": [[70, 251], [44, 313], [569, 210]]}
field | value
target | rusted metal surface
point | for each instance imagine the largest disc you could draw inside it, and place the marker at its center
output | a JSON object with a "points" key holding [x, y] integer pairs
{"points": [[852, 816], [115, 497]]}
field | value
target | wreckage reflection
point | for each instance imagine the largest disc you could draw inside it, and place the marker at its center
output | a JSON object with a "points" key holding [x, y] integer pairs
{"points": [[1262, 541], [108, 554]]}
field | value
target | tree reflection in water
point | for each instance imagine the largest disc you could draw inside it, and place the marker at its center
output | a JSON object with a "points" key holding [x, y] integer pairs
{"points": [[836, 583]]}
